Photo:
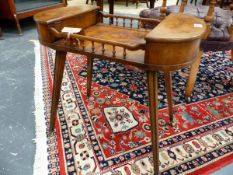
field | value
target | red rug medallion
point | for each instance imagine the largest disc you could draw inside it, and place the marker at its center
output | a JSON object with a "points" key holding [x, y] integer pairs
{"points": [[109, 133]]}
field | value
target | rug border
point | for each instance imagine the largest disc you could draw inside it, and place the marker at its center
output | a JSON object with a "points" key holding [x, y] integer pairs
{"points": [[40, 165], [59, 139], [210, 170], [214, 166]]}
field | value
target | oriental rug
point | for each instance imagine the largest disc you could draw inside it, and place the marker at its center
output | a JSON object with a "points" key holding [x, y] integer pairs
{"points": [[109, 133]]}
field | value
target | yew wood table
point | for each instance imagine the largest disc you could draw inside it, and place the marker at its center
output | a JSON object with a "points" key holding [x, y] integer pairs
{"points": [[172, 45], [111, 5]]}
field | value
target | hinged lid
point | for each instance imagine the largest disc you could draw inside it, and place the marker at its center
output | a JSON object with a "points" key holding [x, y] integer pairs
{"points": [[177, 28], [62, 13]]}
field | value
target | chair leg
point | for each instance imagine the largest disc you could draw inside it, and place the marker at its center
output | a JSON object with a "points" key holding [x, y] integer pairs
{"points": [[89, 75], [127, 3], [204, 2], [87, 1], [58, 74], [195, 2], [221, 3], [193, 76], [152, 86], [168, 87], [177, 2], [152, 3]]}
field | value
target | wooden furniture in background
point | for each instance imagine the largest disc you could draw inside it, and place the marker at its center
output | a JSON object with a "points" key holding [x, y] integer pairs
{"points": [[141, 1], [19, 9], [194, 67], [111, 4], [92, 2], [191, 1], [219, 35], [149, 50], [205, 2], [0, 32]]}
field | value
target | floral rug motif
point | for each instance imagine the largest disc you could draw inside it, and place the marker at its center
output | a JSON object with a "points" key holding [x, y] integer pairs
{"points": [[109, 133]]}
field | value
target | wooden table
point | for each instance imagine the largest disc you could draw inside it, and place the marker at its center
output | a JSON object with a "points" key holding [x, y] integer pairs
{"points": [[149, 50], [17, 10], [111, 5]]}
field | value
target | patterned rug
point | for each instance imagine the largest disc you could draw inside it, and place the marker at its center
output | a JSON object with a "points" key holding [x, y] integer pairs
{"points": [[109, 133]]}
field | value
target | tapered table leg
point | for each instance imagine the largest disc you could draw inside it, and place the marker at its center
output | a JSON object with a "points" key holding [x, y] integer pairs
{"points": [[89, 75], [1, 33], [193, 76], [231, 54], [152, 86], [58, 74], [168, 86], [231, 60], [18, 25]]}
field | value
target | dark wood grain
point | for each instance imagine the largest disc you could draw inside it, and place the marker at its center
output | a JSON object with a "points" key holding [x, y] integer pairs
{"points": [[8, 11]]}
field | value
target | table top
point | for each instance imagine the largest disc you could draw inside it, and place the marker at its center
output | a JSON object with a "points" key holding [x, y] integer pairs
{"points": [[53, 15], [177, 28], [132, 37]]}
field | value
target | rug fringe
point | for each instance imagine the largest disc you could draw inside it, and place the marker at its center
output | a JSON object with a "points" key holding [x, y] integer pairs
{"points": [[40, 163]]}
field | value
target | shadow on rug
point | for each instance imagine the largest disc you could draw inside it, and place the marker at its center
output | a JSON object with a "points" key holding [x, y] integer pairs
{"points": [[109, 133]]}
